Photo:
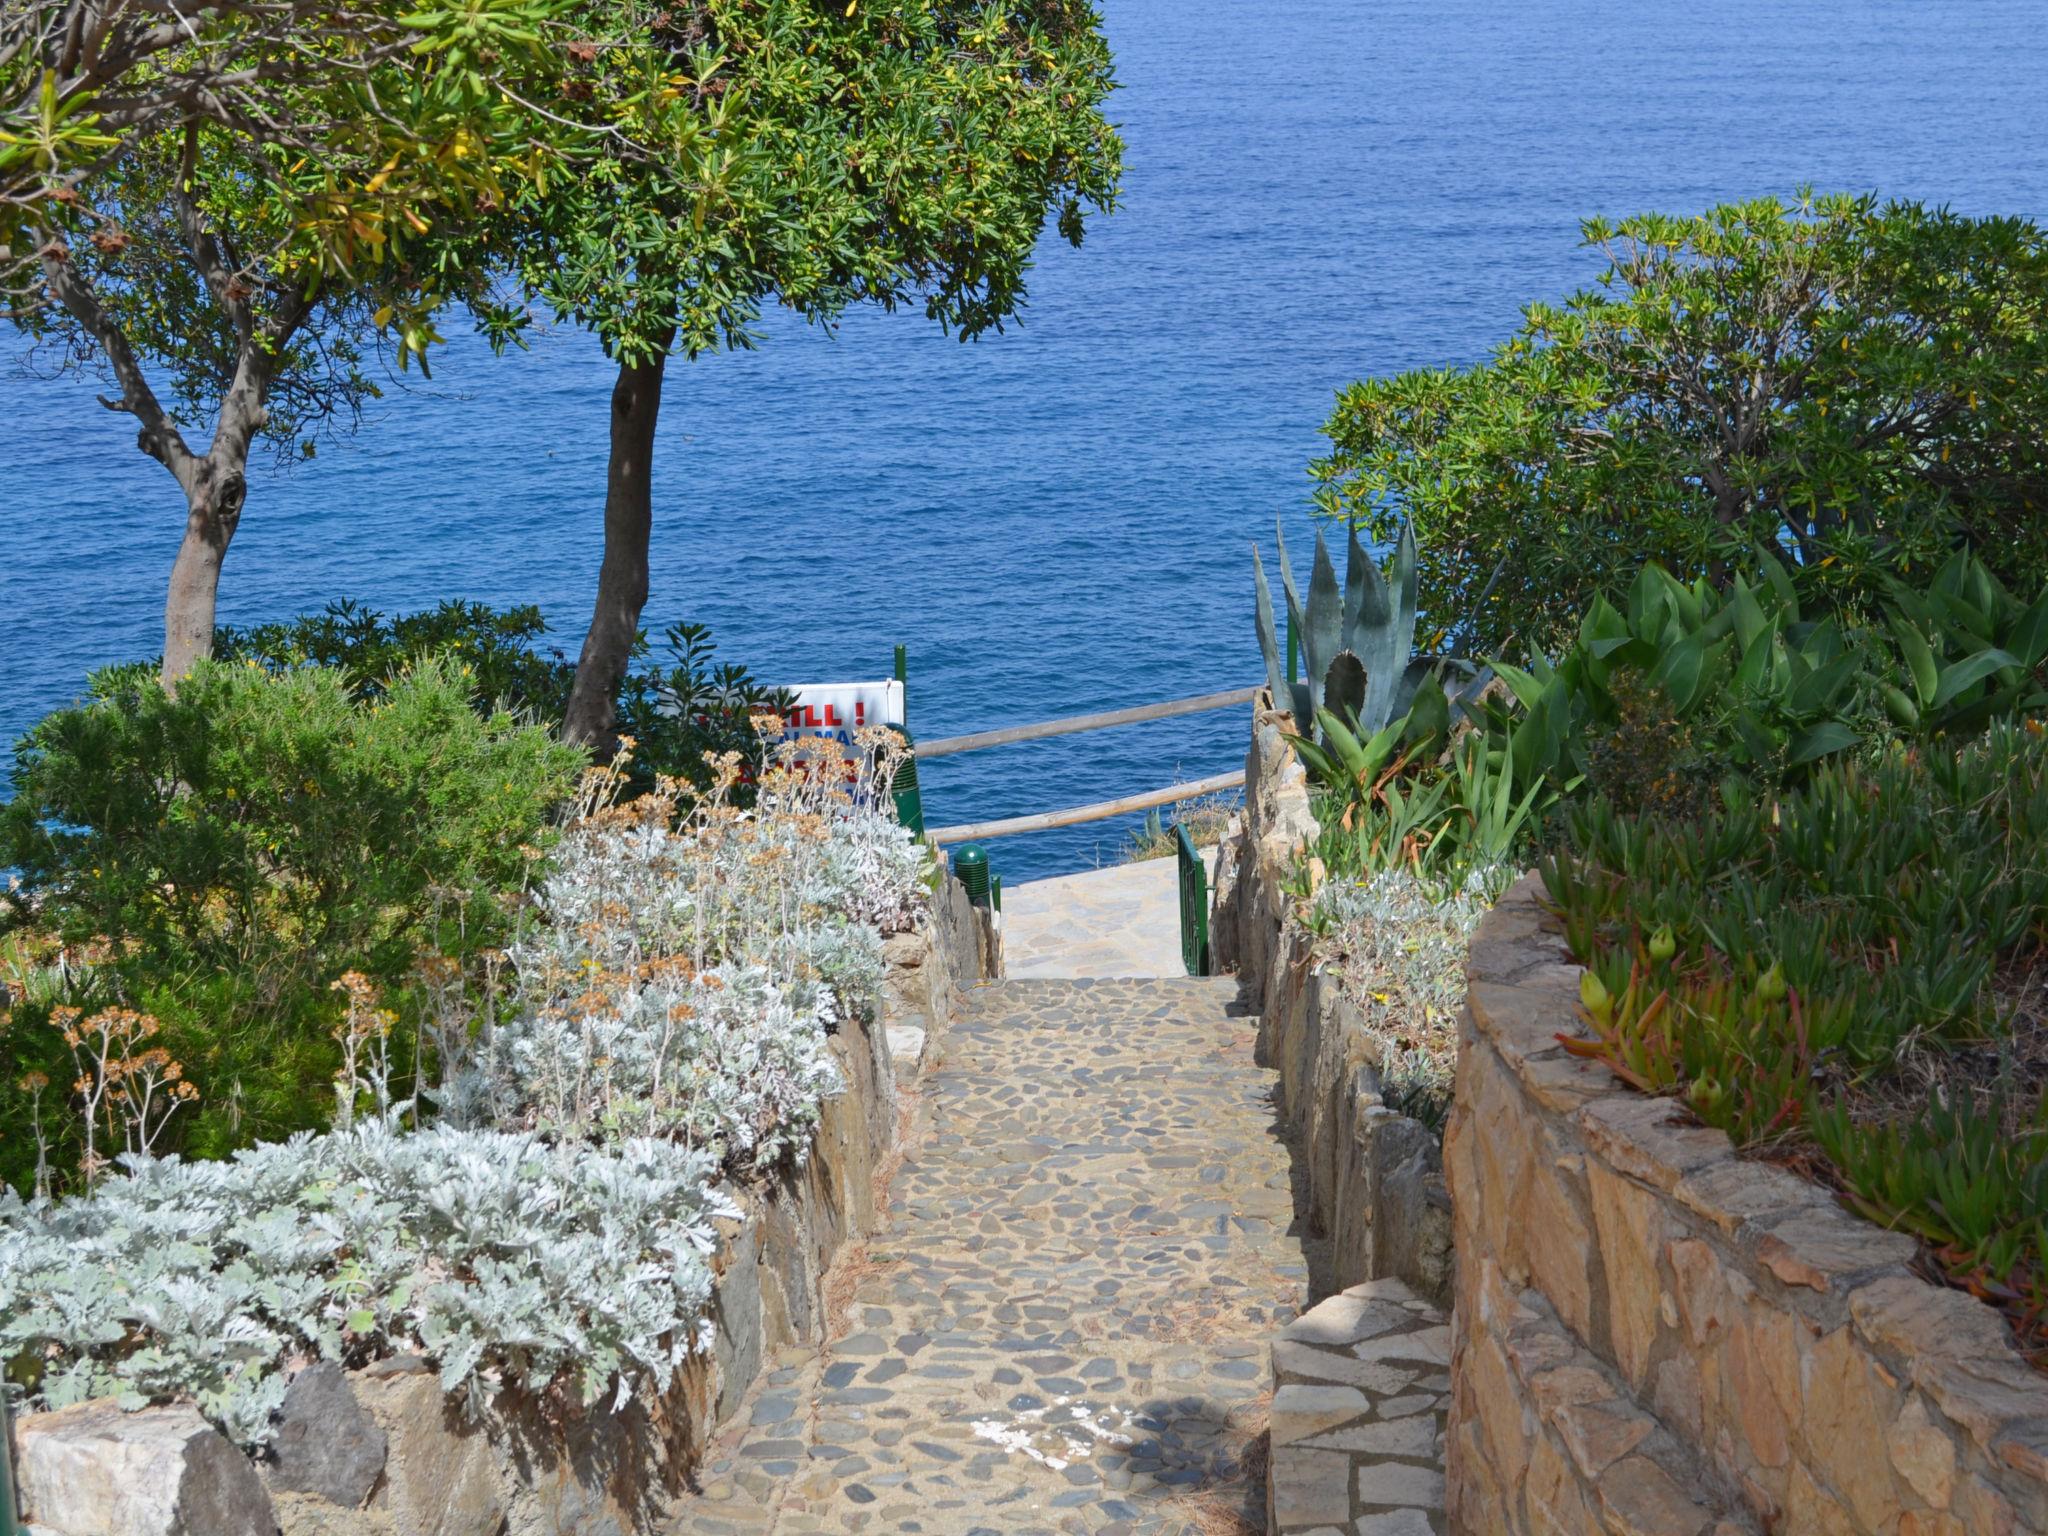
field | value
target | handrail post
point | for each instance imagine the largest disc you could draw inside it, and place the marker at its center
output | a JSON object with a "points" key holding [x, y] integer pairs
{"points": [[1194, 903]]}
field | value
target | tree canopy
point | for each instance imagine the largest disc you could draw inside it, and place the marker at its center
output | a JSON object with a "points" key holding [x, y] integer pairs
{"points": [[811, 155], [285, 195], [1859, 386]]}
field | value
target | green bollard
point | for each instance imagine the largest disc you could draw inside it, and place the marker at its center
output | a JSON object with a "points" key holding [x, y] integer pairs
{"points": [[908, 797], [970, 866]]}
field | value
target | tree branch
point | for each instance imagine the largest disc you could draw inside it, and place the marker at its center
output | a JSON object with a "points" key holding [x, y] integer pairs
{"points": [[159, 436]]}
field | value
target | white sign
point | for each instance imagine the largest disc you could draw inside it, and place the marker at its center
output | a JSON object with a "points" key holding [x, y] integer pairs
{"points": [[839, 710]]}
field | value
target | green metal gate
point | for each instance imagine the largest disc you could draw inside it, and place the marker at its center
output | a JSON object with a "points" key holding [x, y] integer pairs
{"points": [[1194, 905]]}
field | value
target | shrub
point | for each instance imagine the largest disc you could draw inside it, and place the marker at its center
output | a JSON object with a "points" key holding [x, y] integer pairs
{"points": [[677, 704], [1398, 948], [1779, 964], [569, 1269], [218, 858], [685, 974], [1859, 385]]}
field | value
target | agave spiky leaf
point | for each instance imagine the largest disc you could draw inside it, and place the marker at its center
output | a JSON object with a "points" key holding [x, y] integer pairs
{"points": [[1269, 640], [1324, 635], [1344, 686]]}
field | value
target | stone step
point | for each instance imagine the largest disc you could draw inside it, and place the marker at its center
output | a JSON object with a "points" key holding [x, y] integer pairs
{"points": [[1361, 1383]]}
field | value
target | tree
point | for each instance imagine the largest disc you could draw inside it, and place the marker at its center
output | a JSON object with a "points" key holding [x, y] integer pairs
{"points": [[240, 258], [83, 80], [1858, 386], [816, 155]]}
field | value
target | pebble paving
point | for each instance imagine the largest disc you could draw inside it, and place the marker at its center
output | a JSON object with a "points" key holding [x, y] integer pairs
{"points": [[1063, 1324]]}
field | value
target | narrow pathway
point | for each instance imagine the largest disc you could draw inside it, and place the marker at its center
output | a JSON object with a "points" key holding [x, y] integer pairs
{"points": [[1064, 1324], [1120, 921]]}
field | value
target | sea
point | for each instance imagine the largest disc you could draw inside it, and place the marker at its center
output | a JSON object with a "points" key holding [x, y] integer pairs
{"points": [[1059, 519]]}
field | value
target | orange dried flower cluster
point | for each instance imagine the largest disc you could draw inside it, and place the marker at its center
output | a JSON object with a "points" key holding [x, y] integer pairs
{"points": [[126, 1087]]}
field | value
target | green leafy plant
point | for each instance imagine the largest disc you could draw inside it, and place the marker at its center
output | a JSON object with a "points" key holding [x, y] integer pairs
{"points": [[1969, 651], [1775, 963], [678, 703], [1357, 643], [218, 857], [1856, 384]]}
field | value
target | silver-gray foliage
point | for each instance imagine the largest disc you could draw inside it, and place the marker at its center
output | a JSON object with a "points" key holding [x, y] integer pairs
{"points": [[500, 1257], [685, 980], [1399, 947]]}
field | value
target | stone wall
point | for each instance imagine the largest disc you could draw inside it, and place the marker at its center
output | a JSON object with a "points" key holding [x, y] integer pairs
{"points": [[1375, 1178], [381, 1451], [1652, 1334]]}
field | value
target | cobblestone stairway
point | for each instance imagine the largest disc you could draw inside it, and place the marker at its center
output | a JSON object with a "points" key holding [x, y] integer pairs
{"points": [[1064, 1322]]}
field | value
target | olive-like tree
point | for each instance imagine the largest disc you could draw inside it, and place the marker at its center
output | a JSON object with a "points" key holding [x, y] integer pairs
{"points": [[812, 155], [239, 250], [1858, 386]]}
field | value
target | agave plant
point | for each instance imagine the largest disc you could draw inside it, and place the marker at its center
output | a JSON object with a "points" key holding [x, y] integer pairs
{"points": [[1357, 641]]}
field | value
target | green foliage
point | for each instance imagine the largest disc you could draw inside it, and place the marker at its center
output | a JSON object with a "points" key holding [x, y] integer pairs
{"points": [[1357, 643], [1858, 384], [219, 858], [1447, 821], [823, 154], [1692, 684], [1750, 957], [678, 703], [1969, 652]]}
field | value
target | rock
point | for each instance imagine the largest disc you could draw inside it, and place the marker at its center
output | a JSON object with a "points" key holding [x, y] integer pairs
{"points": [[1308, 1488], [1301, 1411], [440, 1475], [325, 1443], [92, 1470]]}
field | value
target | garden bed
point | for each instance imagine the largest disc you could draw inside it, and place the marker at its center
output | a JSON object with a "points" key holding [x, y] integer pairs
{"points": [[383, 1449], [1650, 1328]]}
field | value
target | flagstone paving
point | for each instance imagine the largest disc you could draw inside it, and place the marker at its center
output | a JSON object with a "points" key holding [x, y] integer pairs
{"points": [[1120, 921], [1065, 1324]]}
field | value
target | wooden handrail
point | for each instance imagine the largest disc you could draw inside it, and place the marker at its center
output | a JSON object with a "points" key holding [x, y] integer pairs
{"points": [[1045, 820], [945, 746]]}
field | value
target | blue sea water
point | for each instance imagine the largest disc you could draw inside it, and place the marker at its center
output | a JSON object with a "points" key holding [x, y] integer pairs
{"points": [[1058, 519]]}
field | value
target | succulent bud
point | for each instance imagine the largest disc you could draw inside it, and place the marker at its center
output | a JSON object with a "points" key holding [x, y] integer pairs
{"points": [[1663, 944], [1705, 1095], [1770, 987], [1594, 994]]}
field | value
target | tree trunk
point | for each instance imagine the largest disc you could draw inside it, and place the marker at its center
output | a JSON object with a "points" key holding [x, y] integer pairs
{"points": [[213, 510], [592, 716]]}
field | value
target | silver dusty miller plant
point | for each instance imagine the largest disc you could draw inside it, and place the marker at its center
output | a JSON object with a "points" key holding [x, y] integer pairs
{"points": [[690, 965], [1399, 945], [669, 1019], [501, 1258]]}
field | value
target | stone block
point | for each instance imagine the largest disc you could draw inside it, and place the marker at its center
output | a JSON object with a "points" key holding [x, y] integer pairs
{"points": [[440, 1473], [1302, 1411], [324, 1443], [1400, 1483], [1308, 1488], [93, 1470], [1631, 1229]]}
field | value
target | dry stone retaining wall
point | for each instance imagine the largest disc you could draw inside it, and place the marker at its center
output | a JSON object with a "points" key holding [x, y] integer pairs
{"points": [[1652, 1334], [382, 1452], [1375, 1177]]}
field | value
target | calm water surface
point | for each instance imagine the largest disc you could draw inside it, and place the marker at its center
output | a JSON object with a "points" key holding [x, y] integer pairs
{"points": [[1057, 519]]}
